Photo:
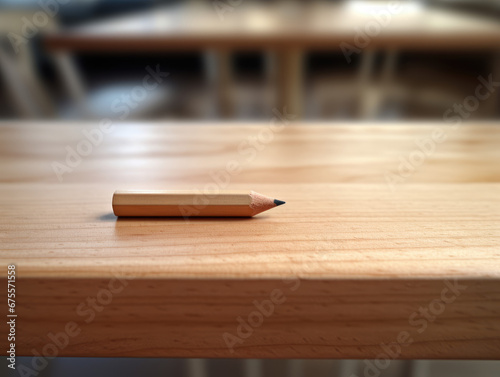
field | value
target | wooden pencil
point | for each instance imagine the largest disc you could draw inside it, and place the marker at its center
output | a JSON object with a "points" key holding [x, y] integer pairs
{"points": [[139, 203]]}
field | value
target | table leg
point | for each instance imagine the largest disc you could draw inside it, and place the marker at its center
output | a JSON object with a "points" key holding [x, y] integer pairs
{"points": [[290, 72], [295, 368], [496, 77], [388, 76], [367, 102], [253, 368], [270, 74], [197, 368], [349, 367], [419, 368], [219, 76]]}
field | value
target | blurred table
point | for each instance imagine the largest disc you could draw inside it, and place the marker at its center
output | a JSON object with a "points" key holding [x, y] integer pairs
{"points": [[351, 262], [287, 29]]}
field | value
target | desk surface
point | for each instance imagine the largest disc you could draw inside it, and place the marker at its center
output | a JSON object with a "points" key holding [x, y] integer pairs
{"points": [[286, 24], [358, 256]]}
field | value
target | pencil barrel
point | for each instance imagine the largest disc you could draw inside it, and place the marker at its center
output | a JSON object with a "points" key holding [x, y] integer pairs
{"points": [[135, 203], [181, 211]]}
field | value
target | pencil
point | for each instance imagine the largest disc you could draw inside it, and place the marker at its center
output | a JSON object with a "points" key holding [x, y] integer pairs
{"points": [[138, 203]]}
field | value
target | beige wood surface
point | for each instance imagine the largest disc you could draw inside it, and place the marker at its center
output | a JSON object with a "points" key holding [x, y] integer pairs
{"points": [[358, 258], [253, 25]]}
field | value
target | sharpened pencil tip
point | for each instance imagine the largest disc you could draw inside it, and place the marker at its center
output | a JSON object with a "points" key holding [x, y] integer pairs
{"points": [[278, 202]]}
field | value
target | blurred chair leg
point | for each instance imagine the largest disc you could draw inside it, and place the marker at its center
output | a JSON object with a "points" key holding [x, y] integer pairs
{"points": [[72, 81], [219, 75], [25, 88], [24, 106], [367, 102], [290, 71]]}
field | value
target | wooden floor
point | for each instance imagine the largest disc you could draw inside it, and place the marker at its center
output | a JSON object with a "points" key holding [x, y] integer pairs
{"points": [[345, 265]]}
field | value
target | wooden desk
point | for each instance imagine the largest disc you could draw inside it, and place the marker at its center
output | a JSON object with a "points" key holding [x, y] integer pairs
{"points": [[287, 29], [359, 260]]}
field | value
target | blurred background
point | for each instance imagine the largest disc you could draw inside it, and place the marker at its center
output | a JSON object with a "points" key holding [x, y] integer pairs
{"points": [[239, 59], [103, 367]]}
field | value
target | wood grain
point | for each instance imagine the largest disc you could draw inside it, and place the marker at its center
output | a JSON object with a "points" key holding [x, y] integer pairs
{"points": [[362, 258]]}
